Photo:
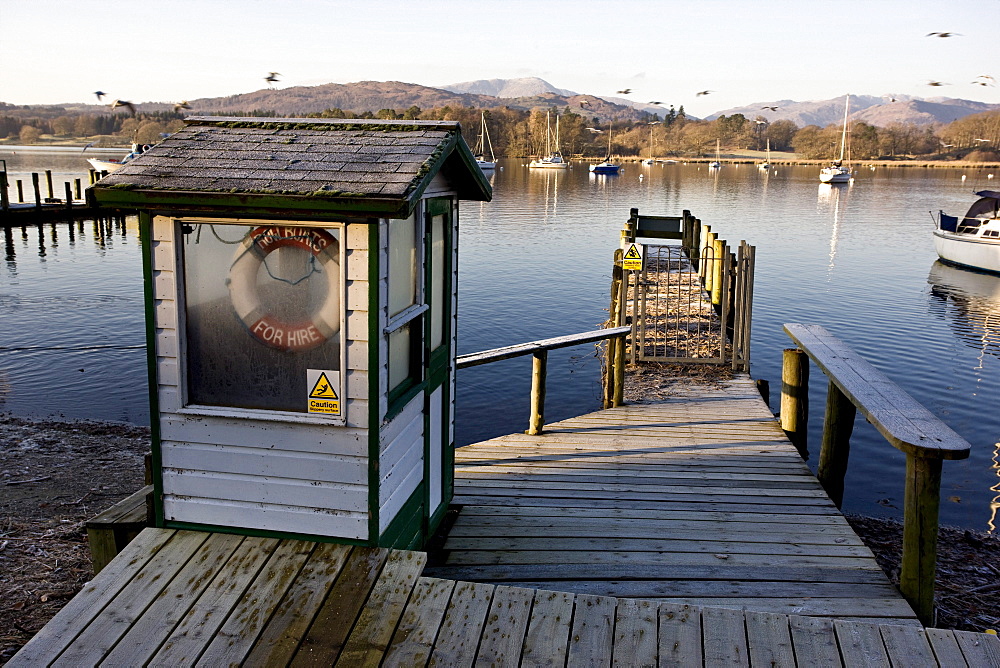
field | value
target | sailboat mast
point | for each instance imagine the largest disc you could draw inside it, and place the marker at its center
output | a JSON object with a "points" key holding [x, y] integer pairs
{"points": [[843, 135]]}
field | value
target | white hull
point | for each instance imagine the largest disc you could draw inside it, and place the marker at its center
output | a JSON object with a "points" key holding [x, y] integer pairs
{"points": [[547, 164], [968, 251], [835, 175], [486, 164], [104, 165]]}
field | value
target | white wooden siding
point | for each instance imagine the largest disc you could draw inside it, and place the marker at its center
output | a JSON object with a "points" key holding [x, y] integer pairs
{"points": [[401, 460], [232, 468]]}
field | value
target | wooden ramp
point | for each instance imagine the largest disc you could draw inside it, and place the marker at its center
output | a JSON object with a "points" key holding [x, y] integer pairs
{"points": [[182, 598], [699, 499]]}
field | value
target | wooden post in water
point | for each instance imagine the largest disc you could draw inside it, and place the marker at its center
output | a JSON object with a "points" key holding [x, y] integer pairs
{"points": [[921, 500], [838, 425], [538, 368], [79, 190], [795, 397], [48, 183], [4, 198], [69, 196], [20, 191], [38, 192]]}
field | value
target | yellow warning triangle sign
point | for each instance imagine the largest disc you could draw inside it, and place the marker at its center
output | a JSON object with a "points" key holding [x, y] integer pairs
{"points": [[632, 253], [322, 389]]}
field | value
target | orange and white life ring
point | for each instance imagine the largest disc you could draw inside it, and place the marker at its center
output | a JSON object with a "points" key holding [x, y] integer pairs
{"points": [[265, 327]]}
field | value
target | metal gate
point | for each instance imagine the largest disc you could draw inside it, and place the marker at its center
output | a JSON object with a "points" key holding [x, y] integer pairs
{"points": [[692, 307]]}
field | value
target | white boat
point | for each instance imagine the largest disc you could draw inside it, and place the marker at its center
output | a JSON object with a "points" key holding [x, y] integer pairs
{"points": [[112, 164], [837, 172], [553, 159], [716, 164], [606, 166], [974, 240], [482, 145], [766, 165]]}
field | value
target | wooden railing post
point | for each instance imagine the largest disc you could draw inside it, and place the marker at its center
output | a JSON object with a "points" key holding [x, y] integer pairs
{"points": [[921, 500], [838, 424], [618, 394], [538, 367], [614, 343], [795, 397]]}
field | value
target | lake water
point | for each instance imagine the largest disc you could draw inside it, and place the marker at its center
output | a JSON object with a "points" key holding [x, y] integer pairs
{"points": [[536, 263]]}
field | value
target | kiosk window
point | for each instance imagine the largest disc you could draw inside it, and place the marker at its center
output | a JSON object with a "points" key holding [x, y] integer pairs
{"points": [[262, 308], [405, 307]]}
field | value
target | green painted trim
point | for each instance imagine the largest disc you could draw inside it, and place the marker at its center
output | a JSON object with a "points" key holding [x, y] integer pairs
{"points": [[248, 204], [374, 389], [263, 533], [408, 525], [146, 245], [400, 399], [454, 146]]}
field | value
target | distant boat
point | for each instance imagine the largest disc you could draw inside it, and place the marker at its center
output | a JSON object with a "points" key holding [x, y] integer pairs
{"points": [[112, 164], [482, 145], [766, 165], [972, 241], [606, 167], [716, 164], [837, 172], [553, 159]]}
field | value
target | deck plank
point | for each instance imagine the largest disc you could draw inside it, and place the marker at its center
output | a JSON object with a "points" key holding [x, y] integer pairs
{"points": [[635, 634], [724, 636], [547, 638], [815, 642], [907, 646], [769, 640], [979, 649], [463, 624], [861, 644], [680, 635], [592, 632], [946, 649], [414, 638], [505, 628]]}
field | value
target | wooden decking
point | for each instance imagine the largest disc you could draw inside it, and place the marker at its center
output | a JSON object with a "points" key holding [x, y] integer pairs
{"points": [[181, 598], [698, 499]]}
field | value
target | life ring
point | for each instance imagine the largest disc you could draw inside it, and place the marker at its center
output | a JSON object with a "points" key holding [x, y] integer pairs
{"points": [[265, 327], [146, 147]]}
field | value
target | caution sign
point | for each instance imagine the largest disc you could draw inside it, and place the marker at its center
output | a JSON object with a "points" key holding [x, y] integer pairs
{"points": [[324, 391], [632, 259]]}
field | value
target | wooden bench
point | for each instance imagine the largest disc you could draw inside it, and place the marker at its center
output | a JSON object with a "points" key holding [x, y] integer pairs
{"points": [[109, 532], [856, 385]]}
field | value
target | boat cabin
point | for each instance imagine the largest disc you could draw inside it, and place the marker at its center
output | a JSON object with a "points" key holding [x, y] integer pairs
{"points": [[983, 210], [300, 297]]}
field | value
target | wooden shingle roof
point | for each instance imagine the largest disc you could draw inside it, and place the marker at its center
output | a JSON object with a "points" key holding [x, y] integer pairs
{"points": [[338, 164]]}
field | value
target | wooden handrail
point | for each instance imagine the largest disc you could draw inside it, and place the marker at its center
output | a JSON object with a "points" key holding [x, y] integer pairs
{"points": [[856, 385], [539, 350]]}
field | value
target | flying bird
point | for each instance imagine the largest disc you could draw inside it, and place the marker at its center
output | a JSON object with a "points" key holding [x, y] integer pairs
{"points": [[624, 91], [936, 83], [656, 102], [183, 104], [985, 80], [100, 94], [704, 92], [943, 34], [979, 141], [595, 130], [892, 99], [761, 122], [584, 103], [88, 146], [947, 145], [771, 108], [271, 78], [123, 103]]}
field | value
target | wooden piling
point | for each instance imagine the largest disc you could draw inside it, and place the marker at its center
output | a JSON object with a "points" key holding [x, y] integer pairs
{"points": [[69, 196], [48, 183], [38, 192], [538, 369], [617, 274], [79, 189], [795, 397], [921, 502], [20, 191], [4, 198], [835, 450]]}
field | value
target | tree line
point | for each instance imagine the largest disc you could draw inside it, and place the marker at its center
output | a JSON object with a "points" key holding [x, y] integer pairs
{"points": [[518, 133]]}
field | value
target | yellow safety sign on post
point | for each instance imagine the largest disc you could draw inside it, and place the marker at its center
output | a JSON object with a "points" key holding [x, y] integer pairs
{"points": [[632, 259], [323, 397]]}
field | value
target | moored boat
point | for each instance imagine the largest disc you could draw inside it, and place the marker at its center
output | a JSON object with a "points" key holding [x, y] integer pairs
{"points": [[484, 144], [552, 159], [606, 166], [973, 240], [112, 164], [837, 172]]}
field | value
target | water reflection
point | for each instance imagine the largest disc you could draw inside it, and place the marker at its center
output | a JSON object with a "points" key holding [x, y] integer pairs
{"points": [[47, 237], [828, 201]]}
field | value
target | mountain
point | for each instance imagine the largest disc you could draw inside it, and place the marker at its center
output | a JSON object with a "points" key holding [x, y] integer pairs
{"points": [[880, 111], [524, 87]]}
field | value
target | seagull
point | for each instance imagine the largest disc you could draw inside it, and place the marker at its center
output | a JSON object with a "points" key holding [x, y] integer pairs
{"points": [[183, 104], [584, 103], [943, 34], [704, 92], [624, 91], [271, 78], [947, 145], [660, 103], [761, 122], [123, 103], [100, 94], [936, 83], [981, 140], [892, 99], [985, 80], [88, 146], [771, 108], [595, 130]]}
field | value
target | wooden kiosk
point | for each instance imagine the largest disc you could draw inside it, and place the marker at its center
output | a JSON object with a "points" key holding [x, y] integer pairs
{"points": [[300, 294]]}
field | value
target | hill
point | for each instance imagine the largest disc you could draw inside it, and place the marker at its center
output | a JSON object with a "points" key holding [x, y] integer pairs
{"points": [[508, 88]]}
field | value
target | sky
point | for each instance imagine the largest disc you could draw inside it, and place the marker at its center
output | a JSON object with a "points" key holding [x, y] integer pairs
{"points": [[59, 51]]}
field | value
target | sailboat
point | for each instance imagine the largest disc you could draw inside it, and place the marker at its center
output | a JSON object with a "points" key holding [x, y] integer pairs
{"points": [[837, 173], [650, 160], [481, 146], [766, 165], [716, 164], [553, 159], [606, 167]]}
